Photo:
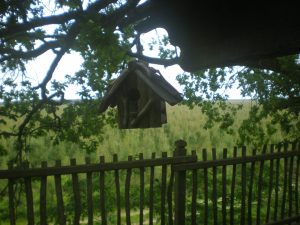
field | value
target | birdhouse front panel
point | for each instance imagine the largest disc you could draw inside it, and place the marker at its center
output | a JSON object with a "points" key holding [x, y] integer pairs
{"points": [[138, 105], [140, 95], [127, 97]]}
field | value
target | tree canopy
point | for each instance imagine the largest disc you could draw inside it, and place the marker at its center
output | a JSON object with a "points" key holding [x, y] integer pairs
{"points": [[106, 34]]}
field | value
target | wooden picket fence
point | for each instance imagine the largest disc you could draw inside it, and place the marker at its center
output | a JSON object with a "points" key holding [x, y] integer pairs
{"points": [[224, 187]]}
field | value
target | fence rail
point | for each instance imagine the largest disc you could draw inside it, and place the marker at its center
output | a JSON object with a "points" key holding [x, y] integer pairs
{"points": [[25, 171], [224, 187]]}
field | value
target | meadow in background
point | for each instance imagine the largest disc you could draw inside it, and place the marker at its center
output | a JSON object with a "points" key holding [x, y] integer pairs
{"points": [[183, 123]]}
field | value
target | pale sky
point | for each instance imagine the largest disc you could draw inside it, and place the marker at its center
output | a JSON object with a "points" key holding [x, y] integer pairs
{"points": [[70, 63]]}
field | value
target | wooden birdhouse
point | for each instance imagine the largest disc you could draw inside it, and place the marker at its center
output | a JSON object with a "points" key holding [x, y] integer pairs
{"points": [[140, 94]]}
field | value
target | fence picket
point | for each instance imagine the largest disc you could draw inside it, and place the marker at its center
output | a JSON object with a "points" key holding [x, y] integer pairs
{"points": [[277, 185], [102, 193], [224, 186], [151, 192], [194, 194], [285, 165], [214, 188], [118, 192], [43, 197], [243, 200], [170, 197], [163, 190], [59, 197], [11, 194], [127, 194], [290, 186], [76, 193], [259, 187], [232, 191], [142, 190], [180, 186], [270, 189], [297, 183], [204, 158], [29, 197], [89, 193], [250, 199]]}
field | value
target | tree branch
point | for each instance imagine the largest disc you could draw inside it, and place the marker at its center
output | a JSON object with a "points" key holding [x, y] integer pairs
{"points": [[125, 9], [27, 119], [114, 19], [51, 70], [38, 22], [164, 62], [137, 14], [7, 134], [147, 25], [98, 5], [55, 19], [11, 53]]}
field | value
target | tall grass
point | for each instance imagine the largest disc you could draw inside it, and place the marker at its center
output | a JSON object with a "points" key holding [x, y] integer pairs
{"points": [[183, 123]]}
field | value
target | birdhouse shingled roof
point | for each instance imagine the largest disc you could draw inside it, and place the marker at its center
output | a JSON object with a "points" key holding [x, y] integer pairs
{"points": [[150, 76]]}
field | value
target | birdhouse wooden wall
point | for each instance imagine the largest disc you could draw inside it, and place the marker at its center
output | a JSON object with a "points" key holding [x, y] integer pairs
{"points": [[138, 105], [140, 93]]}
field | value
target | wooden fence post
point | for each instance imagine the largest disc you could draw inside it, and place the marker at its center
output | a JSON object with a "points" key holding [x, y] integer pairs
{"points": [[180, 186]]}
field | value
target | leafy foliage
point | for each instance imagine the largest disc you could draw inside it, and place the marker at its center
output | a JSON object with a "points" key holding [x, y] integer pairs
{"points": [[275, 94]]}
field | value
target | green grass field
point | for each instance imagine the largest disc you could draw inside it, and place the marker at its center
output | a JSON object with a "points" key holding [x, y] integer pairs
{"points": [[183, 123]]}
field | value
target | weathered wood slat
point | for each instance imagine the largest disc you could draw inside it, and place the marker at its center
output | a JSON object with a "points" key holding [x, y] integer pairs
{"points": [[214, 189], [43, 198], [290, 186], [102, 193], [277, 171], [232, 161], [184, 163], [142, 190], [29, 198], [170, 197], [151, 192], [59, 197], [127, 193], [95, 167], [180, 186], [76, 194], [224, 186], [270, 188], [232, 191], [297, 183], [243, 181], [89, 194], [250, 187], [163, 191], [11, 195], [204, 158], [285, 183], [259, 188], [118, 191], [194, 195]]}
